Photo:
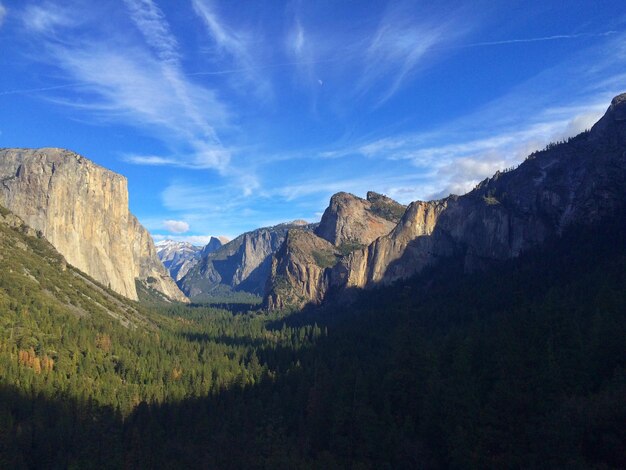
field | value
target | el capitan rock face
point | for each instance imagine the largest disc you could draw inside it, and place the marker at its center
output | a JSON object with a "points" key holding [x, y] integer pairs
{"points": [[82, 210]]}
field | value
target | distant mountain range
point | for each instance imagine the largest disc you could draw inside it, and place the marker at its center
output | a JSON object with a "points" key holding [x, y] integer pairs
{"points": [[82, 209], [179, 257]]}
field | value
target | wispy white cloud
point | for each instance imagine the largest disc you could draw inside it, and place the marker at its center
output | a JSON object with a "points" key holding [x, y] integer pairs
{"points": [[176, 226], [142, 84], [238, 44], [226, 39], [297, 39], [399, 46], [152, 23], [556, 37], [457, 167], [46, 18], [3, 14]]}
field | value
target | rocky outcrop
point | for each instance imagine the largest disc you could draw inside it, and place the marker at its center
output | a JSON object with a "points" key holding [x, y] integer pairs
{"points": [[386, 258], [574, 182], [82, 209], [243, 264], [300, 270], [350, 222], [215, 243]]}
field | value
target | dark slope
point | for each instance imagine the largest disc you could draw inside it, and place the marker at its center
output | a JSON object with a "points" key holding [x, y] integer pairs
{"points": [[518, 367]]}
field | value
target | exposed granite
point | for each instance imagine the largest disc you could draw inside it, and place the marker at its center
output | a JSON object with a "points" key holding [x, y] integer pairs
{"points": [[82, 209]]}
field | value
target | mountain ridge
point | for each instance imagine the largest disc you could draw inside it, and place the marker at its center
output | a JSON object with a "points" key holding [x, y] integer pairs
{"points": [[242, 264], [582, 179]]}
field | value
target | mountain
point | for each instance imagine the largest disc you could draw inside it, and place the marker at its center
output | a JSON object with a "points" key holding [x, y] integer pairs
{"points": [[350, 222], [243, 264], [178, 257], [578, 181], [301, 268], [82, 210]]}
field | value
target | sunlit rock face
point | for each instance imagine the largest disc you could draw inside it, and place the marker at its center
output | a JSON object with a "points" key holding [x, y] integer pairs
{"points": [[575, 182], [348, 219], [387, 258], [82, 210], [301, 269]]}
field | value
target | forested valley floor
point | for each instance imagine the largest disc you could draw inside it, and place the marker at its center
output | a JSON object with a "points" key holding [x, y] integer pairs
{"points": [[522, 366]]}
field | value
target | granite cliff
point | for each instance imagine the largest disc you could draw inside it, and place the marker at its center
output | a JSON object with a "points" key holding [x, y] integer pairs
{"points": [[574, 182], [299, 273], [301, 269], [349, 221], [82, 210], [33, 269]]}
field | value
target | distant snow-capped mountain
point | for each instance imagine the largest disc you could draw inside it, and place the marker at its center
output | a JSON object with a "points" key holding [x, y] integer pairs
{"points": [[179, 257]]}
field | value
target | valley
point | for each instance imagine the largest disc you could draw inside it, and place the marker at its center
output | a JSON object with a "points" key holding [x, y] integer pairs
{"points": [[484, 330], [312, 235]]}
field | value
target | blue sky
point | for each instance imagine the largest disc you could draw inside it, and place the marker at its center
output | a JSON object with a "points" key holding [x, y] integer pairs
{"points": [[226, 116]]}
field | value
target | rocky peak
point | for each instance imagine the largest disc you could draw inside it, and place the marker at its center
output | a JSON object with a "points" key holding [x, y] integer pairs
{"points": [[214, 244], [613, 123], [352, 221], [82, 209], [385, 207], [373, 196]]}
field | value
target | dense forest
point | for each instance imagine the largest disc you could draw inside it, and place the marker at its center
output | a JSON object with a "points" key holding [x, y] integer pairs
{"points": [[521, 366]]}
